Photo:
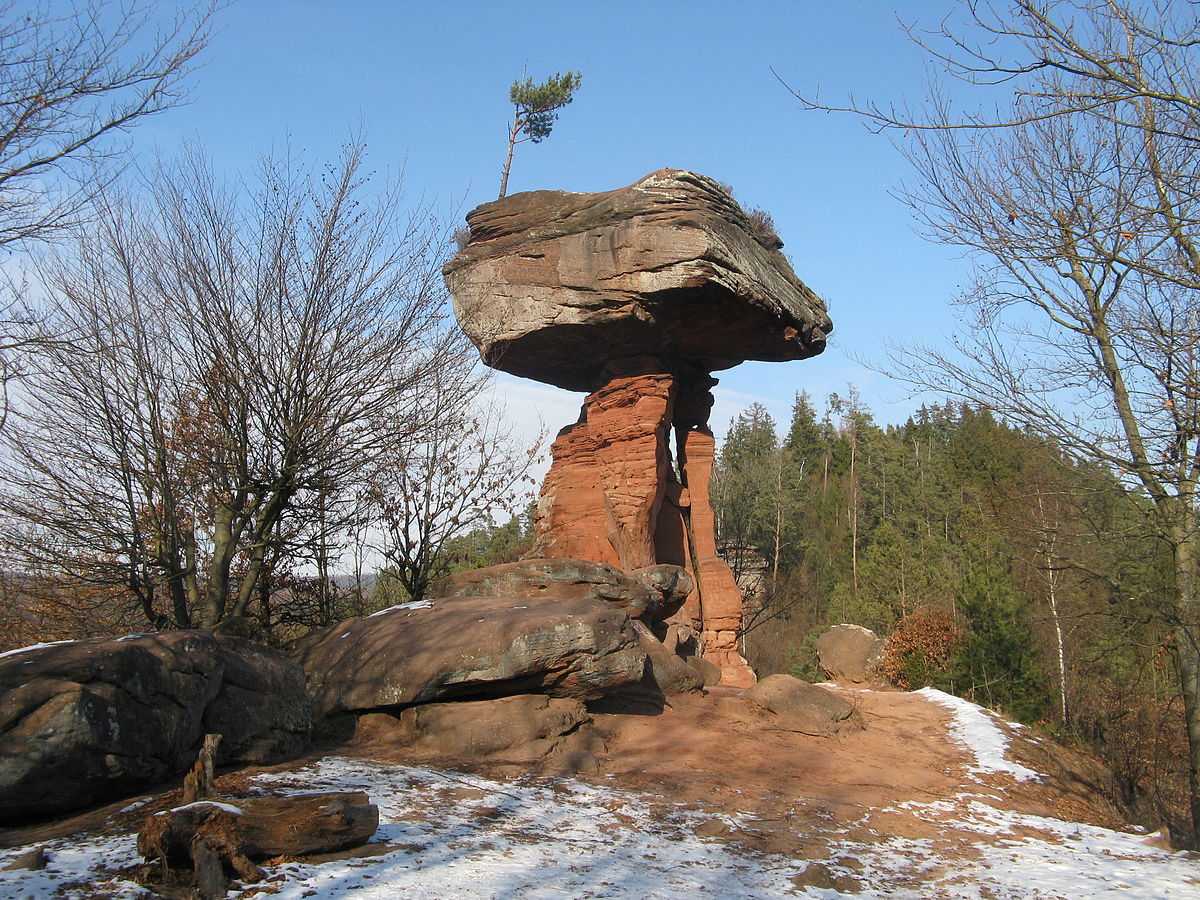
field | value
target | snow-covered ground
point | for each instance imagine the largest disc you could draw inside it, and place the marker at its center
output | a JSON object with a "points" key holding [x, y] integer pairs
{"points": [[977, 730], [449, 835]]}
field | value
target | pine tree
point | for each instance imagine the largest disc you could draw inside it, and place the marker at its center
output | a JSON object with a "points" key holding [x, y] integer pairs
{"points": [[536, 108]]}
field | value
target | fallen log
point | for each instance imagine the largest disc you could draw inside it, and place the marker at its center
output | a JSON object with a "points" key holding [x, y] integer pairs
{"points": [[297, 825], [212, 837]]}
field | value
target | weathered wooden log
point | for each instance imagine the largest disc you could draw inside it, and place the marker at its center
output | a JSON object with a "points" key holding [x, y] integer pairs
{"points": [[262, 827], [199, 783], [303, 824]]}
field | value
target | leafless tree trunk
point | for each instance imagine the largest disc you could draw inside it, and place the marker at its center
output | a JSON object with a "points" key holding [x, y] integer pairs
{"points": [[72, 81], [428, 491]]}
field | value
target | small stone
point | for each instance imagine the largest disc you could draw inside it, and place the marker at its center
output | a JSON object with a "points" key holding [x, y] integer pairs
{"points": [[819, 876], [712, 828], [34, 860]]}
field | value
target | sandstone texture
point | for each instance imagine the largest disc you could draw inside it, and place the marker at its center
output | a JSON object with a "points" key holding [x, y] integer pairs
{"points": [[654, 592], [554, 285], [524, 725], [796, 705], [847, 653], [613, 495], [471, 648], [635, 296], [88, 720]]}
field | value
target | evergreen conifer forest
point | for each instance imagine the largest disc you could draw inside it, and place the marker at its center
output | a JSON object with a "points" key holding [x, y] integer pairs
{"points": [[1003, 571]]}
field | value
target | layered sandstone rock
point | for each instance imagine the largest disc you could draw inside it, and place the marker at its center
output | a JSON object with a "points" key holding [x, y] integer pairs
{"points": [[652, 593], [796, 705], [471, 648], [523, 726], [555, 285], [635, 296], [848, 653]]}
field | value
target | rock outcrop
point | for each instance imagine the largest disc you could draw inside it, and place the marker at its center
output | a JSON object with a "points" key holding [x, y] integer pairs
{"points": [[555, 285], [651, 593], [666, 672], [88, 720], [471, 648], [522, 726], [635, 296], [796, 705]]}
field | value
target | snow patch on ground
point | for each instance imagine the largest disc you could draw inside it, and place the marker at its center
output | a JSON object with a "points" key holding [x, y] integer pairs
{"points": [[465, 836], [411, 604], [77, 869], [470, 837], [975, 728], [446, 834]]}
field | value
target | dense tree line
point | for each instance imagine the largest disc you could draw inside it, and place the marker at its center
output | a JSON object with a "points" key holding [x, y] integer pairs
{"points": [[1068, 177], [1004, 570]]}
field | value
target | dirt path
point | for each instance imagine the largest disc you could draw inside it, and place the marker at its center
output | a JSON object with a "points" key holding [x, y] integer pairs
{"points": [[800, 791]]}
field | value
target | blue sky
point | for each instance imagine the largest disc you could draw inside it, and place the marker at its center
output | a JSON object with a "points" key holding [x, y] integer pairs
{"points": [[665, 84]]}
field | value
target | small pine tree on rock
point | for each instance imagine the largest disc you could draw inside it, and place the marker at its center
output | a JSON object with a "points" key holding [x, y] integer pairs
{"points": [[536, 108]]}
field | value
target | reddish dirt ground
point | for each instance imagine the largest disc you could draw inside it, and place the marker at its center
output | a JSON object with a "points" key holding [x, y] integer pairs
{"points": [[790, 793]]}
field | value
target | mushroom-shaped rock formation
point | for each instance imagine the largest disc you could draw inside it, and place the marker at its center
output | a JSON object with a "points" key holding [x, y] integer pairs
{"points": [[554, 285], [635, 295]]}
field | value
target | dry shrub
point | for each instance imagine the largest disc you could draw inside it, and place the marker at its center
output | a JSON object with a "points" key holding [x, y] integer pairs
{"points": [[762, 229], [920, 648], [35, 610], [1141, 738]]}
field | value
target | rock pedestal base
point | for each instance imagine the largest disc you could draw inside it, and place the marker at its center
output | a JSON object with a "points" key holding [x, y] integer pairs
{"points": [[618, 492]]}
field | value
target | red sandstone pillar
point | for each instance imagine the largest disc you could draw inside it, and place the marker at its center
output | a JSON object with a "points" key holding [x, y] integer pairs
{"points": [[611, 496], [608, 474], [718, 600]]}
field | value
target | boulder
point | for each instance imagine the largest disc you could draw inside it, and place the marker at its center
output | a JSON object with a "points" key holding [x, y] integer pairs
{"points": [[262, 709], [671, 584], [666, 671], [796, 705], [651, 593], [471, 648], [528, 725], [847, 653], [84, 721], [553, 285], [710, 673]]}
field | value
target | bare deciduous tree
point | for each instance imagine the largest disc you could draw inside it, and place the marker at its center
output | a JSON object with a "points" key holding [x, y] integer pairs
{"points": [[236, 354], [426, 492], [73, 79]]}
